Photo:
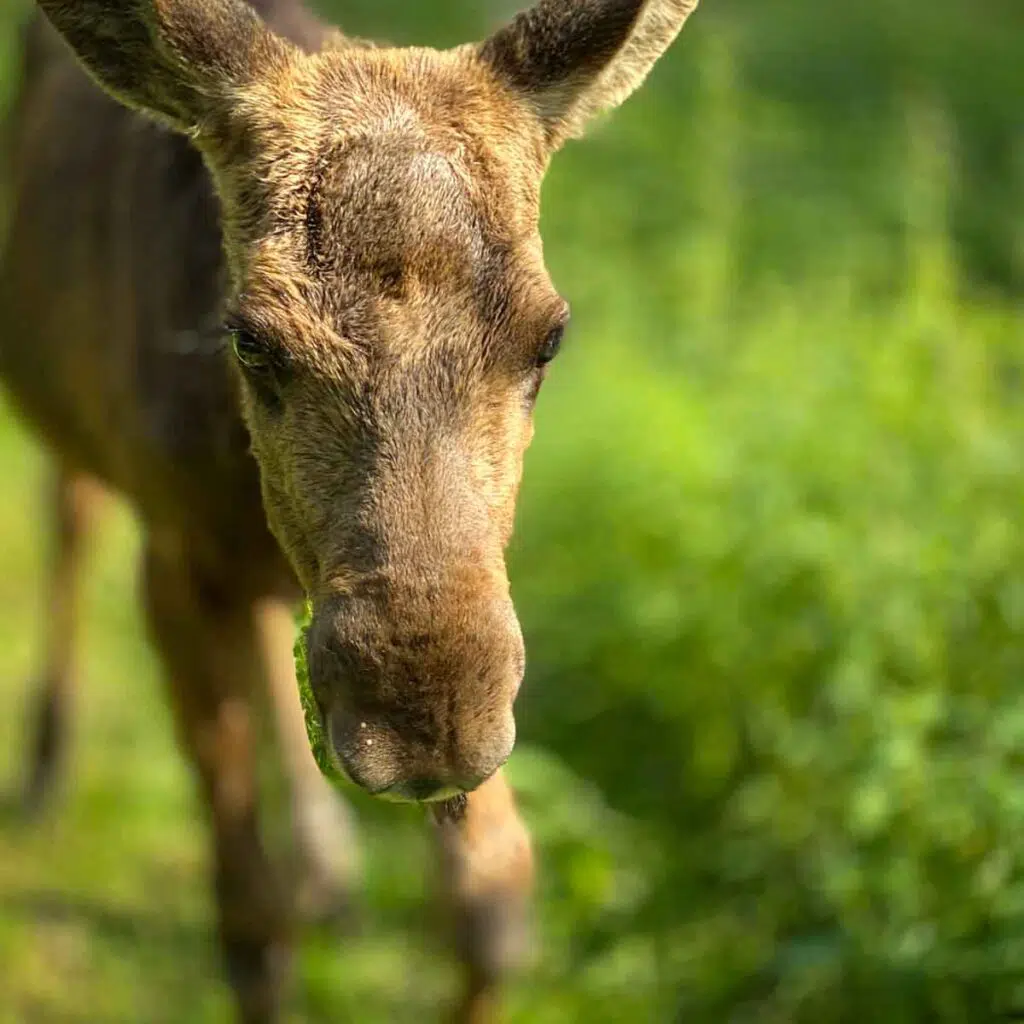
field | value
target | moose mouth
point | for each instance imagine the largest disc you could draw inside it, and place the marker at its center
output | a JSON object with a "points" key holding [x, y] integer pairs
{"points": [[422, 789], [445, 803], [409, 794]]}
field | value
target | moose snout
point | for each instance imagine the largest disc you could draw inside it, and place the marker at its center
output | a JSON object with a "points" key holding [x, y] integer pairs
{"points": [[417, 693]]}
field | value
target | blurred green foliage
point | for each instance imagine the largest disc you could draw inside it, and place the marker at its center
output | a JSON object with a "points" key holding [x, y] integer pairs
{"points": [[769, 564]]}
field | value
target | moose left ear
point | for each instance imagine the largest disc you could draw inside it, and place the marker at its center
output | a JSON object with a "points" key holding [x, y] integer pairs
{"points": [[574, 59], [171, 59]]}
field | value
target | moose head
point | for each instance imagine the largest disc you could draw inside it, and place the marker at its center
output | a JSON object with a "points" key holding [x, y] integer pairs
{"points": [[392, 321]]}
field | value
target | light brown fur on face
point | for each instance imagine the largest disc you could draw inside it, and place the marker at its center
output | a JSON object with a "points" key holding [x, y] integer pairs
{"points": [[331, 262], [390, 267]]}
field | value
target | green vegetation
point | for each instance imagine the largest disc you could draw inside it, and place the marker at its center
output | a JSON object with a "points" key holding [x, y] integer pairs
{"points": [[769, 562], [314, 725]]}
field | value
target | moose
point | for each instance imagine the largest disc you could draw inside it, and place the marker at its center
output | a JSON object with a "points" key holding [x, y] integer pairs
{"points": [[283, 291]]}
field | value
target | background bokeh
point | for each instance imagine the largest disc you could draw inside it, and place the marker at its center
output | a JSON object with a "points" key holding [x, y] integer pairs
{"points": [[769, 564]]}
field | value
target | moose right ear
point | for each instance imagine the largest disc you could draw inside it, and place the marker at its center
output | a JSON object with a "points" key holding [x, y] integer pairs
{"points": [[171, 59], [572, 59]]}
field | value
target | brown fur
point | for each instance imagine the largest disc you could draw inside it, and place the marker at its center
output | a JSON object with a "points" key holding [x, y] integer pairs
{"points": [[364, 222]]}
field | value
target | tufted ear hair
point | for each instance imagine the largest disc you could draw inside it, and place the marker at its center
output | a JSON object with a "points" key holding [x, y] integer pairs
{"points": [[573, 59], [172, 59]]}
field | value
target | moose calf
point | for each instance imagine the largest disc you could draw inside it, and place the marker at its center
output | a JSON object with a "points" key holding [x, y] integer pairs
{"points": [[284, 291]]}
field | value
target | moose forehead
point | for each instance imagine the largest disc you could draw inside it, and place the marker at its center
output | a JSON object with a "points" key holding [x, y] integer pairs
{"points": [[408, 201], [387, 207]]}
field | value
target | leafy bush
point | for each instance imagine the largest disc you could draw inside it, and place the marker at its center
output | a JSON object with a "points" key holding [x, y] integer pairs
{"points": [[774, 610]]}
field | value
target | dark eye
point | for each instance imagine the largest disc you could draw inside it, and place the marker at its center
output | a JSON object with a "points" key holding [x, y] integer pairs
{"points": [[250, 351], [552, 343]]}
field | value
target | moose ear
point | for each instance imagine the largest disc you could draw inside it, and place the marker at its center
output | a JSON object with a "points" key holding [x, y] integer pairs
{"points": [[574, 59], [169, 58]]}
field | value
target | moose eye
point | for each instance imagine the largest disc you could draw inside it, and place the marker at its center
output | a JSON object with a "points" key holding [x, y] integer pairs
{"points": [[551, 346], [252, 353]]}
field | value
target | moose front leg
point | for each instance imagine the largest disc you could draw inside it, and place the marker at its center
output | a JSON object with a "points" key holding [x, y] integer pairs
{"points": [[73, 500], [487, 863], [208, 640]]}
